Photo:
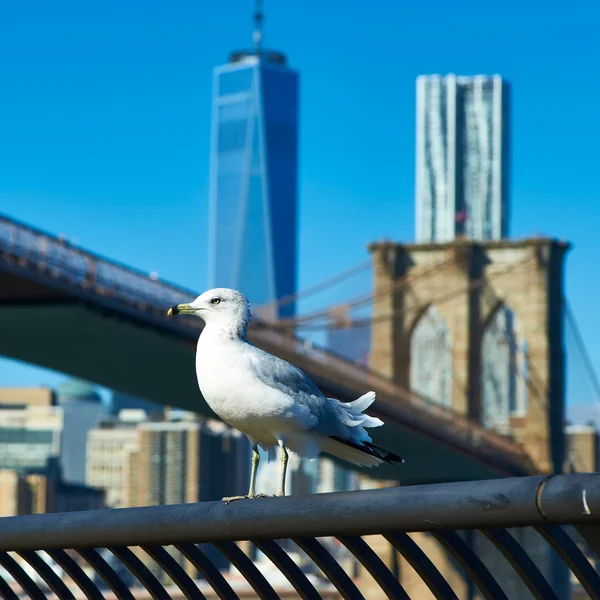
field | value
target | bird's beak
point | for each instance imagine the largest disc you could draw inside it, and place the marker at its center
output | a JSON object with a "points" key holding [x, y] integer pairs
{"points": [[180, 309]]}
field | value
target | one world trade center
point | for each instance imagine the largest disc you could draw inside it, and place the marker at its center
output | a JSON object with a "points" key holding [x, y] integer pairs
{"points": [[254, 178]]}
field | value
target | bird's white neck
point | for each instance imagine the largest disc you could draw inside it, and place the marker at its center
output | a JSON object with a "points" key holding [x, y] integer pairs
{"points": [[226, 330]]}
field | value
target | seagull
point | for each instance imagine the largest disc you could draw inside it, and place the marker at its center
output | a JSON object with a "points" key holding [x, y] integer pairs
{"points": [[270, 400]]}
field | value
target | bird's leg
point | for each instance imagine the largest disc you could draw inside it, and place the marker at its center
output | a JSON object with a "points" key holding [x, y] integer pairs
{"points": [[252, 492], [255, 461], [284, 461]]}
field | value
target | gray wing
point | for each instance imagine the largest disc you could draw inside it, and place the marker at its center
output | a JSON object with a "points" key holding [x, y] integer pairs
{"points": [[285, 377]]}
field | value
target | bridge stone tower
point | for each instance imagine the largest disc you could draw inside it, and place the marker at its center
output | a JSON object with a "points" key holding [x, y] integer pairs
{"points": [[478, 326]]}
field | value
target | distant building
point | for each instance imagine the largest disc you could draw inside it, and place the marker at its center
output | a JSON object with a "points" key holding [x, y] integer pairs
{"points": [[38, 493], [164, 466], [583, 448], [186, 460], [30, 429], [177, 459], [31, 436], [26, 396], [39, 426], [14, 497], [254, 177], [108, 448], [462, 162], [82, 410]]}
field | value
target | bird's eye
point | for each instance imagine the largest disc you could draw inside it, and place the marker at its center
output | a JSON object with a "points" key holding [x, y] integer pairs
{"points": [[215, 301]]}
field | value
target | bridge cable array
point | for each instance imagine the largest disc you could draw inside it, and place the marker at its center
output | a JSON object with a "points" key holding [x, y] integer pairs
{"points": [[582, 348], [359, 301], [398, 284], [319, 287]]}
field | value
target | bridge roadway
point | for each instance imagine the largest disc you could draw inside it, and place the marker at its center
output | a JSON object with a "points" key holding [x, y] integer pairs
{"points": [[70, 310]]}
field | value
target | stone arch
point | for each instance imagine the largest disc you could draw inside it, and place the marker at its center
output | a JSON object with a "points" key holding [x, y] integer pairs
{"points": [[431, 357], [504, 370]]}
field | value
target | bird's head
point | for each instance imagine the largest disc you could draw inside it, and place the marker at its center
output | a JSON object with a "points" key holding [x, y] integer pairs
{"points": [[227, 309]]}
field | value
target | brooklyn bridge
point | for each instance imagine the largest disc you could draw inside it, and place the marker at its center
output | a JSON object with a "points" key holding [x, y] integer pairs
{"points": [[465, 343]]}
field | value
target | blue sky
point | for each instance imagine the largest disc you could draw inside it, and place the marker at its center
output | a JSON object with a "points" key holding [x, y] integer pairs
{"points": [[105, 113]]}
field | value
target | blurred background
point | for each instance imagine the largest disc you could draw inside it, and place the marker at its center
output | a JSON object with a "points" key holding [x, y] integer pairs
{"points": [[406, 193]]}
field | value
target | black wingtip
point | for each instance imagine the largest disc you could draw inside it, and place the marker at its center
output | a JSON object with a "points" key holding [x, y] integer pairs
{"points": [[372, 450]]}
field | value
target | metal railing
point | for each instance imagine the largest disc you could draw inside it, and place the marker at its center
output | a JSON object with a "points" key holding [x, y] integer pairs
{"points": [[157, 548], [79, 271]]}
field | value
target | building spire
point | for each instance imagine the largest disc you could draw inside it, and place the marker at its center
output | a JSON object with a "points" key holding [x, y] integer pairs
{"points": [[268, 56], [258, 21]]}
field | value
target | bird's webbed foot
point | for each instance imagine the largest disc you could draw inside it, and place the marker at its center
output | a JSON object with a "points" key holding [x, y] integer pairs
{"points": [[228, 499]]}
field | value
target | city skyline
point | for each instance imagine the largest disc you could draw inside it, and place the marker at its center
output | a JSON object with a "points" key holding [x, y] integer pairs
{"points": [[81, 159], [462, 158], [483, 347], [253, 177]]}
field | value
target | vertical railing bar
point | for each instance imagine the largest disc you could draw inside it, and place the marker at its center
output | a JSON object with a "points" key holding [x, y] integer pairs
{"points": [[288, 567], [175, 571], [572, 556], [76, 573], [591, 534], [247, 568], [469, 561], [140, 571], [422, 565], [43, 569], [209, 571], [6, 592], [334, 572], [375, 566], [521, 563], [20, 576], [106, 572]]}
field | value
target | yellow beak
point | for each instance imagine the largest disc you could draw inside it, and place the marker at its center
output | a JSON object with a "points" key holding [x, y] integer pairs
{"points": [[180, 309]]}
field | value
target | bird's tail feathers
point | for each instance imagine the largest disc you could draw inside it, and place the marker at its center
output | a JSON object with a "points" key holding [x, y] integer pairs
{"points": [[352, 415], [363, 402]]}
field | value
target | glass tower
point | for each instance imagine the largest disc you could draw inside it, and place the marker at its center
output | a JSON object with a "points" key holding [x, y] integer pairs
{"points": [[253, 178], [462, 158]]}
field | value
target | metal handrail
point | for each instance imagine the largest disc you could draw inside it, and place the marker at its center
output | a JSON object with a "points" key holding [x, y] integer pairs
{"points": [[155, 547], [507, 502], [112, 280]]}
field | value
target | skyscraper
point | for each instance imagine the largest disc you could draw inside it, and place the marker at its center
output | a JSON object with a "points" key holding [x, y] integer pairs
{"points": [[82, 410], [253, 176], [462, 158]]}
